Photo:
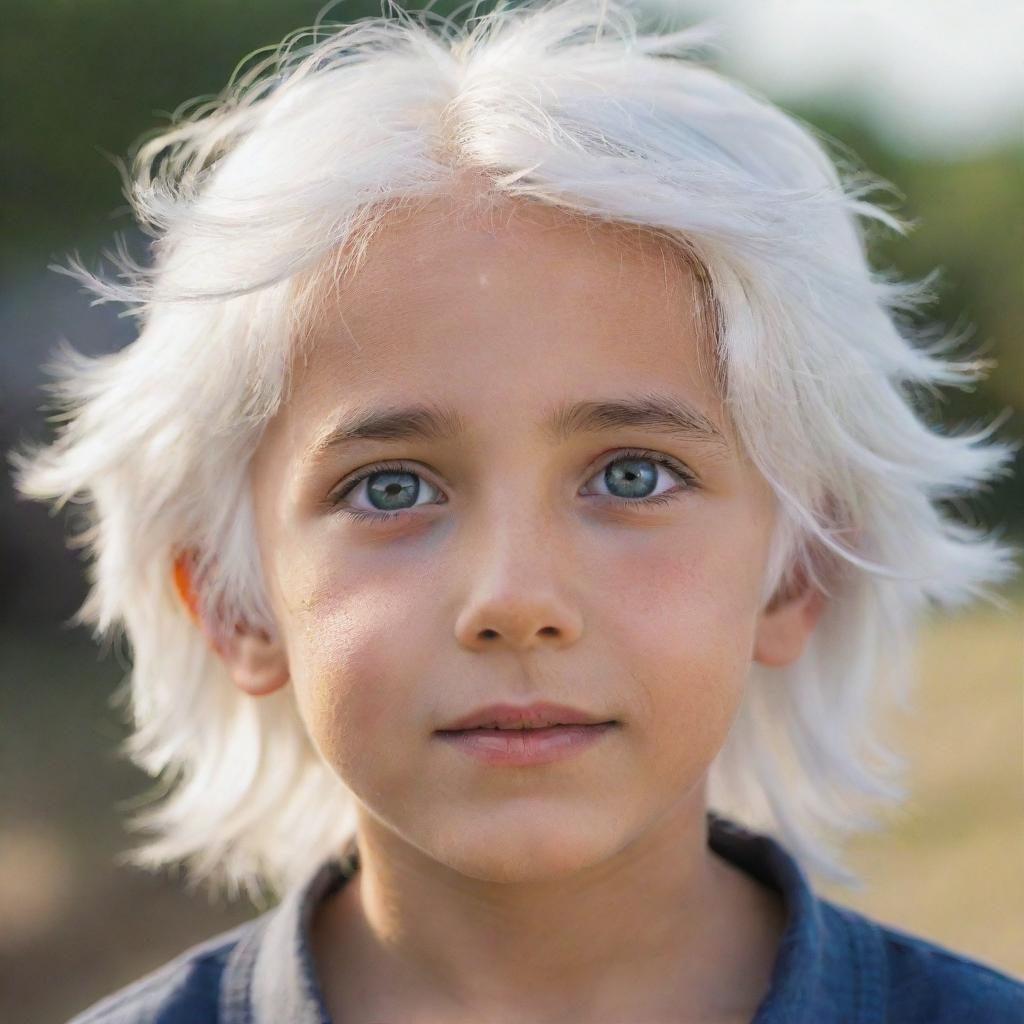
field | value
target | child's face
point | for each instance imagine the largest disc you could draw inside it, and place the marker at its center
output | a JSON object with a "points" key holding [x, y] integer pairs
{"points": [[514, 575]]}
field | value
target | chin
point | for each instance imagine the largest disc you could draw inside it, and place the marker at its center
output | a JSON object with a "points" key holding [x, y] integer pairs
{"points": [[495, 850]]}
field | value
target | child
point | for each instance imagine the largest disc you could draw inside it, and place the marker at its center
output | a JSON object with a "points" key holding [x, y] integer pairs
{"points": [[515, 485]]}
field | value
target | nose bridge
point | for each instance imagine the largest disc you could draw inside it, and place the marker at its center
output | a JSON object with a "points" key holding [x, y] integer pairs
{"points": [[516, 596]]}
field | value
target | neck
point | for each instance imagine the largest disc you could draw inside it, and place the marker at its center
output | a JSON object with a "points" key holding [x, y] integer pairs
{"points": [[663, 928]]}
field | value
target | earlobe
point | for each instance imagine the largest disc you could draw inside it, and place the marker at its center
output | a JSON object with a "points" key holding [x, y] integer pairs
{"points": [[785, 624], [257, 663]]}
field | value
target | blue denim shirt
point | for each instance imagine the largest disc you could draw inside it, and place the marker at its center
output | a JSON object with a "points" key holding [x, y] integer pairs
{"points": [[834, 966]]}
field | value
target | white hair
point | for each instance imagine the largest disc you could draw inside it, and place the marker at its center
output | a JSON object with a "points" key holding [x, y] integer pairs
{"points": [[823, 368]]}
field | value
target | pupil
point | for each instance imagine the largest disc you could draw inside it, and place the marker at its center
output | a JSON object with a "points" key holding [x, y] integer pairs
{"points": [[631, 477], [391, 488]]}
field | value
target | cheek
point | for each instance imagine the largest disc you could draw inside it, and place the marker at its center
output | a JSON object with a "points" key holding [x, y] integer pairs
{"points": [[682, 620], [352, 648]]}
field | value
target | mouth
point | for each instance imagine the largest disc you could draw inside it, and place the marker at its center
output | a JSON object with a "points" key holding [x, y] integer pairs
{"points": [[526, 746], [497, 729], [534, 717]]}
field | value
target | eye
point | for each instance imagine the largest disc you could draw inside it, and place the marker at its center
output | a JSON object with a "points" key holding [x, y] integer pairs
{"points": [[629, 479], [390, 489], [632, 477]]}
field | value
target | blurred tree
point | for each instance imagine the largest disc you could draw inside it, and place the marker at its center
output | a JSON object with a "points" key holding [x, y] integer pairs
{"points": [[83, 80]]}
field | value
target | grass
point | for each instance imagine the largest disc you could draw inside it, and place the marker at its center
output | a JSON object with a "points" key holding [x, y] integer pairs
{"points": [[949, 867]]}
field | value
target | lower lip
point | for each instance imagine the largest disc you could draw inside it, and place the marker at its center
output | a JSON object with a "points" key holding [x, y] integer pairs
{"points": [[526, 746]]}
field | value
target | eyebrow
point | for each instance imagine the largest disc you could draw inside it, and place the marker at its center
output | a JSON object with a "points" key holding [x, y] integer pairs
{"points": [[664, 414]]}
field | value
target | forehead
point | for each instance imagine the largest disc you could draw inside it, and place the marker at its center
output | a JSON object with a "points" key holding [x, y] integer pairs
{"points": [[479, 304]]}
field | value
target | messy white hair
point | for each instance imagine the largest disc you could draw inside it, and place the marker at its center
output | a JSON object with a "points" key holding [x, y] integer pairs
{"points": [[291, 170]]}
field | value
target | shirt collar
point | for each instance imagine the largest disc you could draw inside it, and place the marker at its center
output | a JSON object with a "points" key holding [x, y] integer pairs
{"points": [[827, 970]]}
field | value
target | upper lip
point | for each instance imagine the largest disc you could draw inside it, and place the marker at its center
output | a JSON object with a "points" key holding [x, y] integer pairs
{"points": [[530, 716]]}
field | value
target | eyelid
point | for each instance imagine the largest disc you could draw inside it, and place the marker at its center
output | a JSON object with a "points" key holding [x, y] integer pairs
{"points": [[350, 483], [680, 469], [661, 458]]}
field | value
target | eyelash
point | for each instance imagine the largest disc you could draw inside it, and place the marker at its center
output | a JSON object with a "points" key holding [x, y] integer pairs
{"points": [[362, 515]]}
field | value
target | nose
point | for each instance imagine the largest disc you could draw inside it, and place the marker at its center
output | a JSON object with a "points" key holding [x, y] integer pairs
{"points": [[518, 598]]}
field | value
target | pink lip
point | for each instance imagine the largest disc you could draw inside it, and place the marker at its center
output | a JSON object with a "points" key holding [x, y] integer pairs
{"points": [[520, 747], [531, 716]]}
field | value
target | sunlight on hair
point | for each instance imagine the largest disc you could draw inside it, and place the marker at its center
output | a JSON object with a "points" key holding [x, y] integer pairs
{"points": [[255, 199]]}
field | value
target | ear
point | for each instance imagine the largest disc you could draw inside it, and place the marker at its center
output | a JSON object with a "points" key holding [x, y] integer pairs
{"points": [[784, 625], [257, 663]]}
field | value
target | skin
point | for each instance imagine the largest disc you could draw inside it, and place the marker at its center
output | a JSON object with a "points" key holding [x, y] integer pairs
{"points": [[579, 891]]}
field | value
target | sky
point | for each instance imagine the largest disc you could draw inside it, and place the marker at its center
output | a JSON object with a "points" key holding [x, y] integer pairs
{"points": [[939, 78]]}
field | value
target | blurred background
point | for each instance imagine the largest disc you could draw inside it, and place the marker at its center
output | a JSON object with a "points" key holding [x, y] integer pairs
{"points": [[926, 93]]}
